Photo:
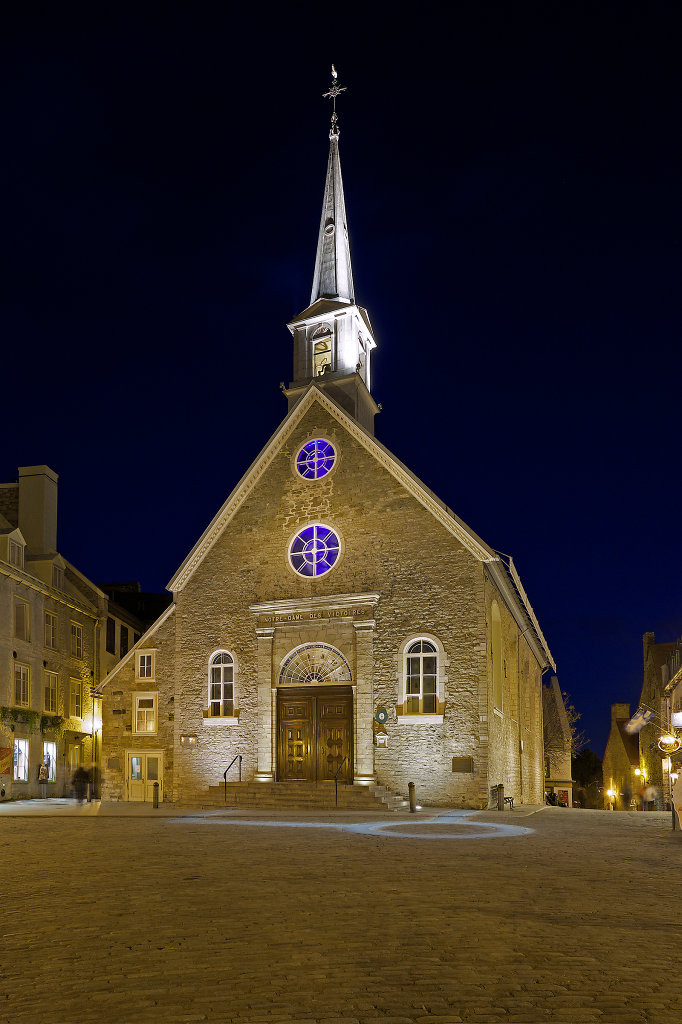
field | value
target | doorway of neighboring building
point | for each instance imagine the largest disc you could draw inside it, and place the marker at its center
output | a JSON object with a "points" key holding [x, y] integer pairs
{"points": [[315, 734], [143, 769]]}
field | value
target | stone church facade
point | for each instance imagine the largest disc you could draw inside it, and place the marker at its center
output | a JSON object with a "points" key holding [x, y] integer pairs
{"points": [[335, 619]]}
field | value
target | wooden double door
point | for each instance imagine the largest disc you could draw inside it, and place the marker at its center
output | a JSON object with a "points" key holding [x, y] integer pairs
{"points": [[315, 734]]}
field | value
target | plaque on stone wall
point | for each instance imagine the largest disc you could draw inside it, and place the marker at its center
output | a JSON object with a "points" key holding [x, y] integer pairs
{"points": [[462, 764], [114, 764]]}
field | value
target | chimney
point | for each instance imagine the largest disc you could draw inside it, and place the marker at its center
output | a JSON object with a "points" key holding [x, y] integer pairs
{"points": [[38, 508], [619, 712]]}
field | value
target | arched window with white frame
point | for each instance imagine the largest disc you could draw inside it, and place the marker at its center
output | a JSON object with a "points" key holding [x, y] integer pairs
{"points": [[221, 686], [421, 696]]}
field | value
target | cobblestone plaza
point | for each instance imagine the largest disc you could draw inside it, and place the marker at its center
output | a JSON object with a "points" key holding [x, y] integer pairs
{"points": [[121, 916]]}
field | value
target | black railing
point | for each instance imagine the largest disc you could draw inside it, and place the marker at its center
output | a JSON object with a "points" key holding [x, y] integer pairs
{"points": [[336, 780], [237, 757]]}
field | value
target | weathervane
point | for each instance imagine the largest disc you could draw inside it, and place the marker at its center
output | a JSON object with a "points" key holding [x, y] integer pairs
{"points": [[334, 90]]}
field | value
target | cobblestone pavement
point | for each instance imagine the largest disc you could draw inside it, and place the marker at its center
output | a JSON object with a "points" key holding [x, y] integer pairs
{"points": [[153, 919]]}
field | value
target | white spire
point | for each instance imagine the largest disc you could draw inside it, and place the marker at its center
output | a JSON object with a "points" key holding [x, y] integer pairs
{"points": [[333, 277]]}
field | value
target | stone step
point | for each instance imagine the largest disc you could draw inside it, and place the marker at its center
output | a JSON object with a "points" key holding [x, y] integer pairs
{"points": [[303, 795]]}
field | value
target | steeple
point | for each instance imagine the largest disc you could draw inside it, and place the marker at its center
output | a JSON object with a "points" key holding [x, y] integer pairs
{"points": [[333, 277], [333, 337]]}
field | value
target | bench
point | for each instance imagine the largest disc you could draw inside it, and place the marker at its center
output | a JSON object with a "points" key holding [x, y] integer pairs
{"points": [[508, 800]]}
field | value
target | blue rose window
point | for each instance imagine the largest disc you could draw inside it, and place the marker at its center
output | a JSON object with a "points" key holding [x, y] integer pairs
{"points": [[315, 459], [314, 550]]}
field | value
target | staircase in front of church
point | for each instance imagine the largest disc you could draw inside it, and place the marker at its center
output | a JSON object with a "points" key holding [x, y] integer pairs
{"points": [[304, 796]]}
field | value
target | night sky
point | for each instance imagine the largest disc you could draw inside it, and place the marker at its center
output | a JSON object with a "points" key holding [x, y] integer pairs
{"points": [[512, 186]]}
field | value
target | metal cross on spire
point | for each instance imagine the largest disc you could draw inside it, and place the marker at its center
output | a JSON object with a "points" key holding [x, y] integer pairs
{"points": [[334, 90]]}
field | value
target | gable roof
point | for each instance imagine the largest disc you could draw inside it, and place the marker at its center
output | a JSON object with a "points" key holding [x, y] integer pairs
{"points": [[136, 647], [505, 577]]}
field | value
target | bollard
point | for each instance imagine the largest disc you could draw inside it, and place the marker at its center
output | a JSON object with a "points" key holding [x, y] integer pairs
{"points": [[500, 797], [89, 796], [674, 816], [155, 798], [413, 799]]}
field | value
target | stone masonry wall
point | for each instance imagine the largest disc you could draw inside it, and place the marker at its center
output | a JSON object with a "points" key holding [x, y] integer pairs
{"points": [[515, 731], [117, 715], [392, 546]]}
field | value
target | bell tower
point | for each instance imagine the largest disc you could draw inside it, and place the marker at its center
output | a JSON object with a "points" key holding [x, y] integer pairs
{"points": [[333, 337]]}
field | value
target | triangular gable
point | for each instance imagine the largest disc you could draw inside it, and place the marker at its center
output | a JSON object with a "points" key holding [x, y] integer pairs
{"points": [[401, 473], [140, 643]]}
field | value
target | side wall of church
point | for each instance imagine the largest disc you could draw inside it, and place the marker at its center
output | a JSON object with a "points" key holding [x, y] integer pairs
{"points": [[118, 715], [515, 728]]}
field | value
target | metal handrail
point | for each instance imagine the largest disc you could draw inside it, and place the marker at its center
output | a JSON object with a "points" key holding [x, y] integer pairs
{"points": [[336, 779], [237, 757]]}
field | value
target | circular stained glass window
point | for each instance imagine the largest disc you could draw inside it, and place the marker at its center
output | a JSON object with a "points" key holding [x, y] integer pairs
{"points": [[315, 459], [314, 551]]}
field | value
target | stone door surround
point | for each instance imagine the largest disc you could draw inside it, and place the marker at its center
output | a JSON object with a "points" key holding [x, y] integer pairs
{"points": [[329, 618]]}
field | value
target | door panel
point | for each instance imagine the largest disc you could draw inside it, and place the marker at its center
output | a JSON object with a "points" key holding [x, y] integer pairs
{"points": [[142, 771], [315, 734]]}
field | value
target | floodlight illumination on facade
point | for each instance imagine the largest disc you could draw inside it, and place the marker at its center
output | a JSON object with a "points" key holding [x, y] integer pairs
{"points": [[638, 771]]}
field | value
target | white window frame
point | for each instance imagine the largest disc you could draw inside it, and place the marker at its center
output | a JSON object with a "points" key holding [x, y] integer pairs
{"points": [[322, 333], [20, 752], [222, 683], [26, 613], [403, 717], [50, 752], [16, 554], [51, 687], [75, 687], [76, 640], [145, 664], [22, 676], [51, 631], [139, 695]]}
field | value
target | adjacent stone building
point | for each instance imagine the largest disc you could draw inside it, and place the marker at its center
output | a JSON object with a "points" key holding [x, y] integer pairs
{"points": [[558, 742], [649, 761], [59, 636], [336, 620], [621, 765]]}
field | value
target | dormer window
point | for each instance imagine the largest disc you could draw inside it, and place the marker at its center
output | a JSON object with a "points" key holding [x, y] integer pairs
{"points": [[57, 577], [16, 554]]}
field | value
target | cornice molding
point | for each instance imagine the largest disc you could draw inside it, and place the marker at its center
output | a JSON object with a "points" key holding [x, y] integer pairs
{"points": [[311, 604]]}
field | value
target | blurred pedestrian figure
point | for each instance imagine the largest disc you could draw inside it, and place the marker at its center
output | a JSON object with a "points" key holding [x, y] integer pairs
{"points": [[80, 783], [649, 799], [627, 796]]}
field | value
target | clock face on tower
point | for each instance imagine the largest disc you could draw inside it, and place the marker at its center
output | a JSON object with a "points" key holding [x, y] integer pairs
{"points": [[315, 459]]}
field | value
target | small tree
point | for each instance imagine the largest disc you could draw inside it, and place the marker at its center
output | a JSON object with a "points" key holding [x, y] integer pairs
{"points": [[560, 721]]}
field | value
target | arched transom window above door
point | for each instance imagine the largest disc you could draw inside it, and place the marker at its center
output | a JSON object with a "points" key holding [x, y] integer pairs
{"points": [[313, 665]]}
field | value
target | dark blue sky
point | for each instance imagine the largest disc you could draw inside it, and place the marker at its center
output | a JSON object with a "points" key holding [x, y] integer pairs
{"points": [[512, 183]]}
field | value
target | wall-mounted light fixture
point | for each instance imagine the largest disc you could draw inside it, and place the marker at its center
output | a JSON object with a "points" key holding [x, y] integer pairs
{"points": [[188, 740]]}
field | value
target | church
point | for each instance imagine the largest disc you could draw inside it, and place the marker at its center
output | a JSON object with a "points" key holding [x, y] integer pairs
{"points": [[336, 621]]}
